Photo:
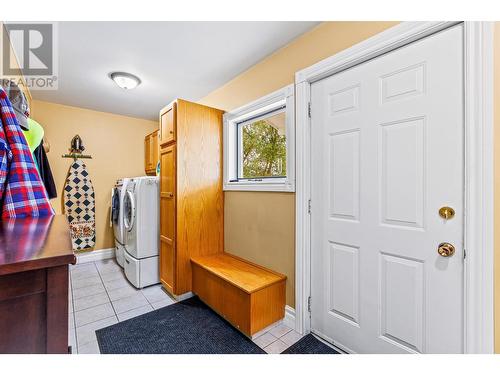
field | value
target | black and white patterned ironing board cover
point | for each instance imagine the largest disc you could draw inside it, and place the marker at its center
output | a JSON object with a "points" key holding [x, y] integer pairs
{"points": [[79, 206]]}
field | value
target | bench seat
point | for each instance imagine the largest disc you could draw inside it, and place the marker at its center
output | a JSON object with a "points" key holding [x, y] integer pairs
{"points": [[247, 295]]}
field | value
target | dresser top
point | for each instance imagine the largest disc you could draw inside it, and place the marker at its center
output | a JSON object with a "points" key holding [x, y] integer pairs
{"points": [[33, 243]]}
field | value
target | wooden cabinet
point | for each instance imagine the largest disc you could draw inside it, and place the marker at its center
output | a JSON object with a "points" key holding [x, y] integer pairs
{"points": [[191, 198], [247, 295], [167, 216], [151, 152], [168, 123], [34, 284]]}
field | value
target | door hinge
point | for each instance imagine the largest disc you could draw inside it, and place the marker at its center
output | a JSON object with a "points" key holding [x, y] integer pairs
{"points": [[309, 206], [309, 304], [465, 254], [309, 109]]}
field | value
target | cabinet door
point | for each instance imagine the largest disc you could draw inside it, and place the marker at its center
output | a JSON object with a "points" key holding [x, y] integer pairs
{"points": [[167, 217], [167, 125], [154, 151], [147, 153]]}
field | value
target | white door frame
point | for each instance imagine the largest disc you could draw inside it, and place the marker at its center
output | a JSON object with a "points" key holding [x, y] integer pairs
{"points": [[478, 223]]}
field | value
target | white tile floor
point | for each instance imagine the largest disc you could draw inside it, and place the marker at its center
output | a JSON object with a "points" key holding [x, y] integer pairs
{"points": [[101, 296], [277, 339]]}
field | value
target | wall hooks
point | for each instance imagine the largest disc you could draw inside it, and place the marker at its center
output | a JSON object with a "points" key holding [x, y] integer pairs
{"points": [[76, 149], [76, 156]]}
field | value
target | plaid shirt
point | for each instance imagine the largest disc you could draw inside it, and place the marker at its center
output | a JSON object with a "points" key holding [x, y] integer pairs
{"points": [[23, 238], [22, 192]]}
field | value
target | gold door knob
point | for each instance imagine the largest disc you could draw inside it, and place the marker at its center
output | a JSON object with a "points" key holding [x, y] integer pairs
{"points": [[446, 212], [446, 249]]}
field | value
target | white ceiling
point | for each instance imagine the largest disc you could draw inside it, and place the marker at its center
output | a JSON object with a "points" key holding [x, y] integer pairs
{"points": [[173, 59]]}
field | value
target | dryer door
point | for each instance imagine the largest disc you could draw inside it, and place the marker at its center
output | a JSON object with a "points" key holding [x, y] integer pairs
{"points": [[115, 205], [129, 211], [115, 213]]}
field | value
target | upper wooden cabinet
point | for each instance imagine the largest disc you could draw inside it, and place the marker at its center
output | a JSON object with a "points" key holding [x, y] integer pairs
{"points": [[168, 123], [191, 198], [151, 152]]}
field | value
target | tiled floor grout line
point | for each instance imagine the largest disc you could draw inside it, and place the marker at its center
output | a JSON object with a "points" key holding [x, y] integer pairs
{"points": [[91, 307], [102, 281], [95, 321], [149, 303], [106, 290], [111, 302], [109, 297], [73, 312], [87, 286]]}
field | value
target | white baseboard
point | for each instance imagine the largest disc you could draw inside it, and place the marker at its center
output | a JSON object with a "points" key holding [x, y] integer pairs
{"points": [[289, 319], [94, 255], [182, 297]]}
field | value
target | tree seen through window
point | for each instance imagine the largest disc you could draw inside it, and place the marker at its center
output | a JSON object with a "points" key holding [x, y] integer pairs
{"points": [[264, 147]]}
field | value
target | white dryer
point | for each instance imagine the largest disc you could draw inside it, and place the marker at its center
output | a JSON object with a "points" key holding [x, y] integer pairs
{"points": [[141, 221], [117, 201]]}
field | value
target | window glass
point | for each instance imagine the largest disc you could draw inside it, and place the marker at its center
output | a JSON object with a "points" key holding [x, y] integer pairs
{"points": [[262, 147]]}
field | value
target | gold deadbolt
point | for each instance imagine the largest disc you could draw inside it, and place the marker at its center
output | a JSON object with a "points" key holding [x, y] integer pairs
{"points": [[446, 249], [446, 212]]}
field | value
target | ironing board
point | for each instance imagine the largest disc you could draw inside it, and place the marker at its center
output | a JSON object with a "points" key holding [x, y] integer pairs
{"points": [[79, 206]]}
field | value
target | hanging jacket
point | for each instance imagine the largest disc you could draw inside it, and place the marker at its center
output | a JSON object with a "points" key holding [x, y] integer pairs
{"points": [[22, 193], [5, 156], [34, 135], [44, 170]]}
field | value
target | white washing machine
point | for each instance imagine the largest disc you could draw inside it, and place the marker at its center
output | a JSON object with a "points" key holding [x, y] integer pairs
{"points": [[141, 222], [117, 201]]}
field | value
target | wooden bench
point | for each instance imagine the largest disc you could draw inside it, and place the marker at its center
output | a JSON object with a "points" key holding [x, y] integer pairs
{"points": [[247, 295]]}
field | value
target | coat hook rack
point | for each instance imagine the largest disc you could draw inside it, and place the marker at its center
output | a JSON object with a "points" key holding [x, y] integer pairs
{"points": [[76, 156], [76, 149]]}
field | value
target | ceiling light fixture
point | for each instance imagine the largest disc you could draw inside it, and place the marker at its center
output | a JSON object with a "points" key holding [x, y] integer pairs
{"points": [[124, 80]]}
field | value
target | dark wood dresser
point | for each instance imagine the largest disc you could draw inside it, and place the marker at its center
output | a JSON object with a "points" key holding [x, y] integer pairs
{"points": [[35, 254]]}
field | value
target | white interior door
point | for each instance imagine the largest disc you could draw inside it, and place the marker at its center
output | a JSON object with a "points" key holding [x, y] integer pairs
{"points": [[387, 154]]}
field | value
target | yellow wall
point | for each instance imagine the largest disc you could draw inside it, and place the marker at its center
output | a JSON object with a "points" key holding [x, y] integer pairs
{"points": [[115, 142], [260, 226], [497, 182]]}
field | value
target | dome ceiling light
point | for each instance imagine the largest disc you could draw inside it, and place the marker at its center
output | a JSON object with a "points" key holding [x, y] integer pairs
{"points": [[124, 80]]}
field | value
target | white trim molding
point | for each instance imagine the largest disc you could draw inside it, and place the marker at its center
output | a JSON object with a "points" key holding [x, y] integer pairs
{"points": [[289, 319], [479, 173], [478, 230], [302, 216], [280, 98], [95, 255], [182, 297]]}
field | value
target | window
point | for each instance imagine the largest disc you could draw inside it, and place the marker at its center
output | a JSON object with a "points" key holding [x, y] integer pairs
{"points": [[259, 141]]}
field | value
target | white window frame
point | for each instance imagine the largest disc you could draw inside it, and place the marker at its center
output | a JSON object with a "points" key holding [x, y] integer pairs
{"points": [[283, 97]]}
